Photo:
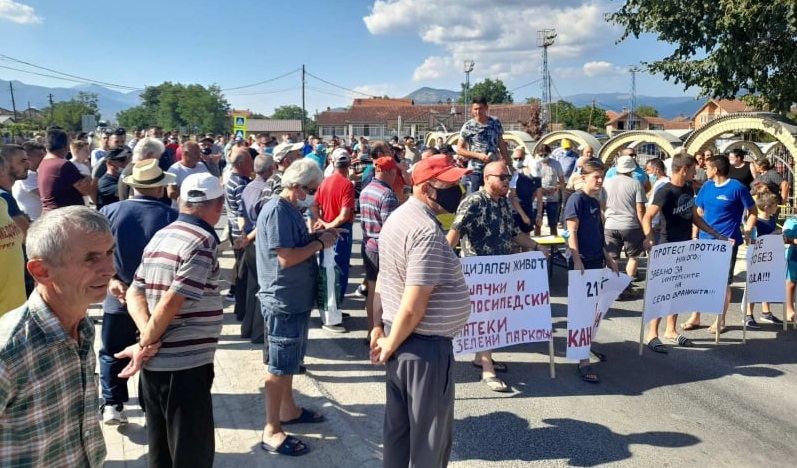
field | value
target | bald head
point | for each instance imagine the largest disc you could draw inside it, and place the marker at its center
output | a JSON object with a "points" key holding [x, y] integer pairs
{"points": [[494, 168], [241, 161], [238, 154]]}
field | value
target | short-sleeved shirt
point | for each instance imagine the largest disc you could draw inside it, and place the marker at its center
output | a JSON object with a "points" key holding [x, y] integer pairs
{"points": [[764, 227], [567, 159], [107, 190], [12, 275], [677, 206], [742, 173], [11, 204], [485, 225], [590, 234], [549, 175], [525, 187], [292, 289], [133, 223], [335, 193], [48, 394], [377, 203], [321, 159], [28, 201], [273, 187], [413, 252], [481, 139], [233, 189], [723, 207], [181, 172], [623, 193], [182, 258], [57, 178]]}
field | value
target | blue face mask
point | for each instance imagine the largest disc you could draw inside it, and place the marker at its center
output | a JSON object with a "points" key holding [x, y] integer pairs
{"points": [[320, 148], [652, 177]]}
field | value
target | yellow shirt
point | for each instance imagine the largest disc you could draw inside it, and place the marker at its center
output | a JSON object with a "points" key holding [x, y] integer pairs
{"points": [[12, 263]]}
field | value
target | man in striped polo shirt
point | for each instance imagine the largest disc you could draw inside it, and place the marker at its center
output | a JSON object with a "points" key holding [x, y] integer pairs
{"points": [[241, 166], [424, 304], [174, 299]]}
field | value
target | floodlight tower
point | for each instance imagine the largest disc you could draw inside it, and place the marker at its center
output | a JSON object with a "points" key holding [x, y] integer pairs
{"points": [[632, 104], [468, 67], [545, 39]]}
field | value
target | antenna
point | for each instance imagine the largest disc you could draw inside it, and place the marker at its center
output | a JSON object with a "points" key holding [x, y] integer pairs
{"points": [[545, 39], [469, 65]]}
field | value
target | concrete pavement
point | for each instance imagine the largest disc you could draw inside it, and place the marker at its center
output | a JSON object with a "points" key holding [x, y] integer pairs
{"points": [[712, 405]]}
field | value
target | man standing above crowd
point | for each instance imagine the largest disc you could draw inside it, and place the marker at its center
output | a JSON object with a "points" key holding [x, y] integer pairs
{"points": [[26, 191], [377, 203], [48, 394], [480, 141], [190, 163], [485, 226], [134, 222], [60, 182], [174, 300], [335, 204], [423, 304]]}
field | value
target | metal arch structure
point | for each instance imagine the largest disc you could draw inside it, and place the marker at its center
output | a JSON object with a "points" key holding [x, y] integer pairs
{"points": [[670, 143], [752, 149], [581, 138], [783, 129]]}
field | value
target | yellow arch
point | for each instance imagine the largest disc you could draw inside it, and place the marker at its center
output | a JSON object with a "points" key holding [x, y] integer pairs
{"points": [[580, 138], [783, 129], [665, 140]]}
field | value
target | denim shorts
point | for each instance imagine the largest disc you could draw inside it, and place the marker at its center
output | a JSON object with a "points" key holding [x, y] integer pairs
{"points": [[286, 342]]}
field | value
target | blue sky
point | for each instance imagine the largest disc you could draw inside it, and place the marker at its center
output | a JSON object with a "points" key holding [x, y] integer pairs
{"points": [[375, 47]]}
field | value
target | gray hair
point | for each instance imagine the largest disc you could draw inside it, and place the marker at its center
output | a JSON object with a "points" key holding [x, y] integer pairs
{"points": [[263, 163], [302, 172], [148, 148], [49, 236]]}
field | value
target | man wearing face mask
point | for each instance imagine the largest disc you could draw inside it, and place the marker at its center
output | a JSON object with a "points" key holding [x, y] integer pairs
{"points": [[210, 157], [335, 204], [485, 225], [422, 304], [319, 153], [525, 194]]}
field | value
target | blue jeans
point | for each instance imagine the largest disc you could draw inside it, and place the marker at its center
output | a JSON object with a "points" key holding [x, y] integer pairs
{"points": [[118, 332], [472, 182]]}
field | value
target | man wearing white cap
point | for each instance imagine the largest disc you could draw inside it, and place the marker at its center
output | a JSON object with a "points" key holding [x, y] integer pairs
{"points": [[174, 300], [284, 154]]}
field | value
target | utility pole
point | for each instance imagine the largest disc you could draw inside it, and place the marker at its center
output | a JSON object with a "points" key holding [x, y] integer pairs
{"points": [[304, 113], [632, 120], [52, 115], [591, 113], [469, 65], [545, 39], [13, 103]]}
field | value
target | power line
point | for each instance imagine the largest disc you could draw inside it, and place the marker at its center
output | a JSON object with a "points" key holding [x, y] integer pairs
{"points": [[263, 82], [527, 84], [89, 80], [262, 92], [319, 90], [44, 74], [341, 87]]}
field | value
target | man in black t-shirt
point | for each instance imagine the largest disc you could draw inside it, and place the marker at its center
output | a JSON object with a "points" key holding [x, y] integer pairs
{"points": [[108, 185], [676, 202]]}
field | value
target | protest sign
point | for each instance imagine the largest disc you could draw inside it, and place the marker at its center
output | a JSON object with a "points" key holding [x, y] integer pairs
{"points": [[766, 270], [688, 276], [510, 302], [589, 297]]}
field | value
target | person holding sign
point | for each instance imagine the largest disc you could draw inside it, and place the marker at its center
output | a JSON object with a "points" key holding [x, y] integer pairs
{"points": [[675, 201], [587, 239], [767, 205], [722, 202], [485, 225]]}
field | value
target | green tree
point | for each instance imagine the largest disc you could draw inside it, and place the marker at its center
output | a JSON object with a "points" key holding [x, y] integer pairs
{"points": [[494, 91], [69, 114], [201, 109], [646, 111], [586, 118], [289, 112], [726, 48]]}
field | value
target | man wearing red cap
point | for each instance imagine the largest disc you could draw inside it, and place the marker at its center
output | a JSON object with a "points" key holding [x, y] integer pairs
{"points": [[377, 202], [424, 304]]}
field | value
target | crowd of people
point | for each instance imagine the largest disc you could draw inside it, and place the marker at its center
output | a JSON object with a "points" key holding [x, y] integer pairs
{"points": [[129, 221]]}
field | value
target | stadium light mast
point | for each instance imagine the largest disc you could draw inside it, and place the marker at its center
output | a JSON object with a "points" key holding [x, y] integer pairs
{"points": [[632, 120], [469, 65], [545, 39]]}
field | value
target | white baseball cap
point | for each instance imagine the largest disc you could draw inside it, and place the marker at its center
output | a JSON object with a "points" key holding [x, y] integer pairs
{"points": [[200, 187]]}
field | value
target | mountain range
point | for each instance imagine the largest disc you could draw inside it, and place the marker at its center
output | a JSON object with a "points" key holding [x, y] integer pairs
{"points": [[668, 107]]}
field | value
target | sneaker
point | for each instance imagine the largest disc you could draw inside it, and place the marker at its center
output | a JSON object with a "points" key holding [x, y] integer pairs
{"points": [[334, 328], [114, 415], [750, 323], [770, 318], [362, 291]]}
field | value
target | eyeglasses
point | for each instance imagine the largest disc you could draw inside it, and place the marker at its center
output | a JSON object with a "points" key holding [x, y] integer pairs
{"points": [[517, 159], [309, 190], [503, 177]]}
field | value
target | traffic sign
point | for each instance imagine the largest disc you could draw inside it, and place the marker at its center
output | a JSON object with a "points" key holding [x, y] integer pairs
{"points": [[240, 121], [239, 133]]}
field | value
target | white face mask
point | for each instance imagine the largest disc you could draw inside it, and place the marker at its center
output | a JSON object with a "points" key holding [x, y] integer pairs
{"points": [[518, 164], [308, 200]]}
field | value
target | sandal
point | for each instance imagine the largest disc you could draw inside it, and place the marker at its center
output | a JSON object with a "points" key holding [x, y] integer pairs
{"points": [[306, 416], [497, 366], [657, 346], [680, 340], [496, 384], [587, 374], [291, 446]]}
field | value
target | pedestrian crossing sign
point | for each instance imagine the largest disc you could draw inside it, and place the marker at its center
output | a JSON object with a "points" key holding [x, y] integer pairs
{"points": [[239, 133], [240, 121]]}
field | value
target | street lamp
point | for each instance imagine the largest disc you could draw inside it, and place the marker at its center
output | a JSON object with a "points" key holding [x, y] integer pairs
{"points": [[469, 66]]}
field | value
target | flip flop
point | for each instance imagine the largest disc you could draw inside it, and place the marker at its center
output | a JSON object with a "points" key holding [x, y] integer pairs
{"points": [[680, 340], [657, 346], [496, 385], [587, 374], [497, 366], [307, 416], [291, 447], [686, 326]]}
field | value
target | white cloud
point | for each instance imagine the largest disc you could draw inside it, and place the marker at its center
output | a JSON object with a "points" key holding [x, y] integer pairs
{"points": [[592, 69], [500, 36], [381, 89], [18, 13]]}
